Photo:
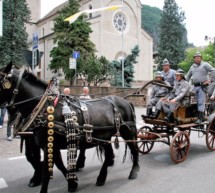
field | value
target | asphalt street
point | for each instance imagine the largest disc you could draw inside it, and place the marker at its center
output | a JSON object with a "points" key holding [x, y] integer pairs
{"points": [[158, 174]]}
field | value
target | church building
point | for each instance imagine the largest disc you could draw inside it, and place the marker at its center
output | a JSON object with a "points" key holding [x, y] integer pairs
{"points": [[115, 34]]}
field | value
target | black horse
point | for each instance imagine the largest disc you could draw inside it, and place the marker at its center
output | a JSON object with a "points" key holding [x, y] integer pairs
{"points": [[32, 150], [111, 115]]}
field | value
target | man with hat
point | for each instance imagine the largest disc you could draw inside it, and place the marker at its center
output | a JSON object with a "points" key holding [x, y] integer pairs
{"points": [[178, 96], [168, 74], [156, 94], [199, 72]]}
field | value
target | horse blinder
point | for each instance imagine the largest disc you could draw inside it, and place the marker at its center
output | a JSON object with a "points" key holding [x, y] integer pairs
{"points": [[6, 83]]}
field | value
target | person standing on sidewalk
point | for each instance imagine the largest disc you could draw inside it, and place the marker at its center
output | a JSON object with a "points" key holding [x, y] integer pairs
{"points": [[9, 132], [199, 72], [3, 112]]}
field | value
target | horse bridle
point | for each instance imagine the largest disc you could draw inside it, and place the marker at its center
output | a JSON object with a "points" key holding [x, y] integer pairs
{"points": [[6, 84], [16, 89]]}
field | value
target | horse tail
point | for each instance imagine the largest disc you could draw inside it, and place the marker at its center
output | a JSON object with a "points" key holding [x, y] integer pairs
{"points": [[100, 152]]}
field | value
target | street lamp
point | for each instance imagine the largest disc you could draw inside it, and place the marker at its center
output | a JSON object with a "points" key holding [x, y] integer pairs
{"points": [[123, 81]]}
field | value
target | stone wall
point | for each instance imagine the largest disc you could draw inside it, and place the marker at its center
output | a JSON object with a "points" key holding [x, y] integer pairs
{"points": [[97, 92]]}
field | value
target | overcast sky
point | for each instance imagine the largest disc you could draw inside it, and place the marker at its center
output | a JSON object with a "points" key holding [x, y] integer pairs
{"points": [[199, 14]]}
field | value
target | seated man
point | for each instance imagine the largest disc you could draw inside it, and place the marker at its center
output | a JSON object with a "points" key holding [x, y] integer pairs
{"points": [[85, 94], [178, 96], [66, 91], [157, 92]]}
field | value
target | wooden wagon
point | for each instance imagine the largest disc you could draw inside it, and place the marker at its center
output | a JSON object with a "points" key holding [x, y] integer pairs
{"points": [[177, 134]]}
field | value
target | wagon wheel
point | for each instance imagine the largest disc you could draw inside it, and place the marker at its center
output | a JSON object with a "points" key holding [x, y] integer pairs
{"points": [[179, 147], [144, 147], [210, 136]]}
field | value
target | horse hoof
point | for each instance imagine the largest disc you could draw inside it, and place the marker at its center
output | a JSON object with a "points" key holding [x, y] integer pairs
{"points": [[78, 169], [111, 163], [133, 176], [100, 183], [33, 184], [72, 187]]}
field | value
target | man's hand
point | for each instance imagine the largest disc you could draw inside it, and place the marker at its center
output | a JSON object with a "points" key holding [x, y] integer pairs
{"points": [[172, 101], [212, 98], [206, 82]]}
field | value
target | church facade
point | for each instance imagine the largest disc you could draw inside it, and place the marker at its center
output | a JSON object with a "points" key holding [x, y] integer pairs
{"points": [[115, 33]]}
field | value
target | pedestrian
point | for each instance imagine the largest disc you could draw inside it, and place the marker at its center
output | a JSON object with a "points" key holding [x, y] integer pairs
{"points": [[168, 73], [199, 72], [3, 112], [9, 127], [9, 132], [85, 94], [156, 94], [66, 91]]}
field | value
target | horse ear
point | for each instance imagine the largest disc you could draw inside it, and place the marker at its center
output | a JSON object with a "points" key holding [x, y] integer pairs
{"points": [[8, 67]]}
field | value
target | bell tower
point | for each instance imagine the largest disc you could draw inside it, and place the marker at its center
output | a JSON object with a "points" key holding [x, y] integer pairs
{"points": [[35, 7]]}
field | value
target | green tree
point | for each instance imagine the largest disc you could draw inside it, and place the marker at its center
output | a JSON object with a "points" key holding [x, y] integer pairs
{"points": [[69, 38], [14, 40], [150, 21], [116, 69], [172, 32], [95, 71]]}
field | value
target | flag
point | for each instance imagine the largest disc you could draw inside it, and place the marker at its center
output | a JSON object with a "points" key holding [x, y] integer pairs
{"points": [[73, 18]]}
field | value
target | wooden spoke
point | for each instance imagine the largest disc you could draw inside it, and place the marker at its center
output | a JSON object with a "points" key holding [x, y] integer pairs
{"points": [[179, 146], [210, 135], [144, 145]]}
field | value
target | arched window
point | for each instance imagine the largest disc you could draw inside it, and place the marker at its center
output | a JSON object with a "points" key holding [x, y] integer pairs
{"points": [[90, 14]]}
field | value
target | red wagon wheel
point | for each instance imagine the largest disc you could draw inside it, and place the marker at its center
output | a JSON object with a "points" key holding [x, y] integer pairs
{"points": [[179, 147], [144, 147], [210, 136]]}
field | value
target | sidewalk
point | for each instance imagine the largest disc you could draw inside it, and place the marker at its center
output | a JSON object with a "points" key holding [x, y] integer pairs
{"points": [[8, 148]]}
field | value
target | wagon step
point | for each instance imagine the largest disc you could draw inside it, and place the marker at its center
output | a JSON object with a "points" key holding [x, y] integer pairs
{"points": [[184, 126], [158, 122]]}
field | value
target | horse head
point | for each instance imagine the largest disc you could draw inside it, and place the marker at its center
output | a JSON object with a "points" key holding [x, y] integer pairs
{"points": [[20, 87], [5, 83]]}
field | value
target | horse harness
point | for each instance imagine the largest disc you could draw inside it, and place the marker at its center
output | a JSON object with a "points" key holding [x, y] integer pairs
{"points": [[46, 106]]}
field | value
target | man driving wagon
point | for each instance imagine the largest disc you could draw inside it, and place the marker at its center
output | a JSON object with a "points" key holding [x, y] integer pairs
{"points": [[156, 94]]}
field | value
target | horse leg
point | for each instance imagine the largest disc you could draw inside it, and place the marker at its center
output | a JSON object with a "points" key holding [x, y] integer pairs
{"points": [[72, 185], [130, 134], [81, 159], [135, 168], [59, 162], [32, 153], [45, 173], [112, 156], [109, 155]]}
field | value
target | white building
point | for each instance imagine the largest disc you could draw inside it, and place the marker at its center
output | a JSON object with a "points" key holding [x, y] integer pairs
{"points": [[108, 35]]}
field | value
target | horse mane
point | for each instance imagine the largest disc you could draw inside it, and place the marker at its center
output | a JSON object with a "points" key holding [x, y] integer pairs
{"points": [[32, 79]]}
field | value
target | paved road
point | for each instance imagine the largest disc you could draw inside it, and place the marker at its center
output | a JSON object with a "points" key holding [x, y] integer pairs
{"points": [[157, 175]]}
